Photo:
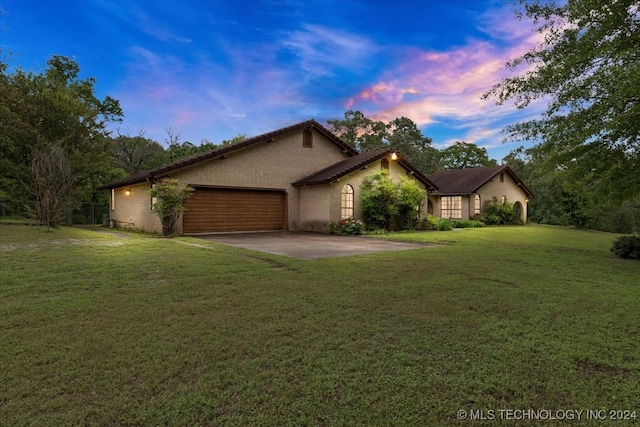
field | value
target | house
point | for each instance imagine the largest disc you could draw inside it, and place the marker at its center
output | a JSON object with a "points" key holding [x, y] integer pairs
{"points": [[297, 178], [462, 192]]}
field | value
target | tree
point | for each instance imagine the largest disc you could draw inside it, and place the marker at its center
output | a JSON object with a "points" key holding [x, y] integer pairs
{"points": [[170, 200], [406, 138], [53, 108], [462, 155], [137, 153], [587, 69], [360, 132], [178, 150], [51, 184], [238, 138]]}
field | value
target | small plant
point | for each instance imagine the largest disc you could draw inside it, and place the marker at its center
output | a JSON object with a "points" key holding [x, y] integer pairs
{"points": [[429, 223], [347, 227], [444, 224], [170, 203], [627, 247]]}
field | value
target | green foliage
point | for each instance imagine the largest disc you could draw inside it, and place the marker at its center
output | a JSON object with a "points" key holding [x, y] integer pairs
{"points": [[386, 204], [401, 134], [445, 224], [468, 223], [347, 227], [428, 223], [136, 154], [379, 200], [627, 247], [464, 155], [171, 197], [496, 212], [587, 71], [410, 197], [58, 108], [359, 132]]}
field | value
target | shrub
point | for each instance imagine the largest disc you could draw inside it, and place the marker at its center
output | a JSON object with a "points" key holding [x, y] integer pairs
{"points": [[379, 200], [170, 200], [627, 247], [390, 205], [468, 223], [430, 222], [444, 224], [347, 227], [499, 213]]}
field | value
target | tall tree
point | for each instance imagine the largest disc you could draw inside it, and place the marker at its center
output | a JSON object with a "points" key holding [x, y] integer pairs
{"points": [[462, 155], [51, 184], [137, 153], [588, 70], [360, 132], [55, 108], [405, 137]]}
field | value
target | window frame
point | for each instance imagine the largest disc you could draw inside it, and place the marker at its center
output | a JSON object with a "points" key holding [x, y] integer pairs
{"points": [[451, 205], [347, 201], [477, 205]]}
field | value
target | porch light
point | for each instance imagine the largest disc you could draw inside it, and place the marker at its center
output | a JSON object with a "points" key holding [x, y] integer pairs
{"points": [[394, 156], [127, 192], [526, 200]]}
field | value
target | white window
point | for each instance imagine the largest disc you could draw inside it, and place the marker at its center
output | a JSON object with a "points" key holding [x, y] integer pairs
{"points": [[347, 202], [113, 199], [451, 207], [476, 205]]}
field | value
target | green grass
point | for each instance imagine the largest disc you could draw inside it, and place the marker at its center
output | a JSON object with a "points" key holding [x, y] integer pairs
{"points": [[99, 329]]}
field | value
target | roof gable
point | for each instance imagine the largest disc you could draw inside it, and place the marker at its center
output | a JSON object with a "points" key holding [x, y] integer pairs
{"points": [[225, 150], [469, 180], [352, 164]]}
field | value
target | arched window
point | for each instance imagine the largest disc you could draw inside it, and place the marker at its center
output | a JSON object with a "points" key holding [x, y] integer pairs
{"points": [[384, 164], [347, 202], [307, 138], [476, 205]]}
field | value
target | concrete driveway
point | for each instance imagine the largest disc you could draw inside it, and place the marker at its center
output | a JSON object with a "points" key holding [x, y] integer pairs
{"points": [[309, 245]]}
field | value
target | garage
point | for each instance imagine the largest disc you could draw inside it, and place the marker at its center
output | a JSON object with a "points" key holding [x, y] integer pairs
{"points": [[234, 209]]}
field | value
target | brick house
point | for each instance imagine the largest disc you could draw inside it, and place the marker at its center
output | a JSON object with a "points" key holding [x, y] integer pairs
{"points": [[298, 178], [462, 192]]}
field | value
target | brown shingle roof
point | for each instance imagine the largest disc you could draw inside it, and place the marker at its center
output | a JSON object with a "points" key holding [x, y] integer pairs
{"points": [[221, 151], [469, 180], [352, 164]]}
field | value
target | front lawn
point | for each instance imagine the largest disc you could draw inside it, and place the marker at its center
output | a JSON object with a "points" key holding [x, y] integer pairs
{"points": [[130, 329]]}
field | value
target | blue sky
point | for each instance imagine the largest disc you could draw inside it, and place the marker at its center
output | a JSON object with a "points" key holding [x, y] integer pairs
{"points": [[214, 69]]}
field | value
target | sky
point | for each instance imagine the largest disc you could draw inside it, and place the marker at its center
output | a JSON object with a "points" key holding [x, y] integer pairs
{"points": [[213, 69]]}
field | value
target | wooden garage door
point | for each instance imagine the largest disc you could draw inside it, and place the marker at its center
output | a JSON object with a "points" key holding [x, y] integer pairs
{"points": [[225, 209]]}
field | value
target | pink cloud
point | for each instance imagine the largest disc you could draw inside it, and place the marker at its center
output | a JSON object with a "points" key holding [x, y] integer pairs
{"points": [[448, 85]]}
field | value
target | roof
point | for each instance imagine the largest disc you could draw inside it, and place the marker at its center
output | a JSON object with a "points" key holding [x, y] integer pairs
{"points": [[352, 164], [469, 180], [221, 151]]}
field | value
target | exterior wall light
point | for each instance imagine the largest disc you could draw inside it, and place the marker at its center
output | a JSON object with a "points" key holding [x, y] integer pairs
{"points": [[394, 156], [127, 192]]}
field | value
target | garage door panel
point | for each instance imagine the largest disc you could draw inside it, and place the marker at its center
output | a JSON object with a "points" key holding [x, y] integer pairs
{"points": [[211, 209]]}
